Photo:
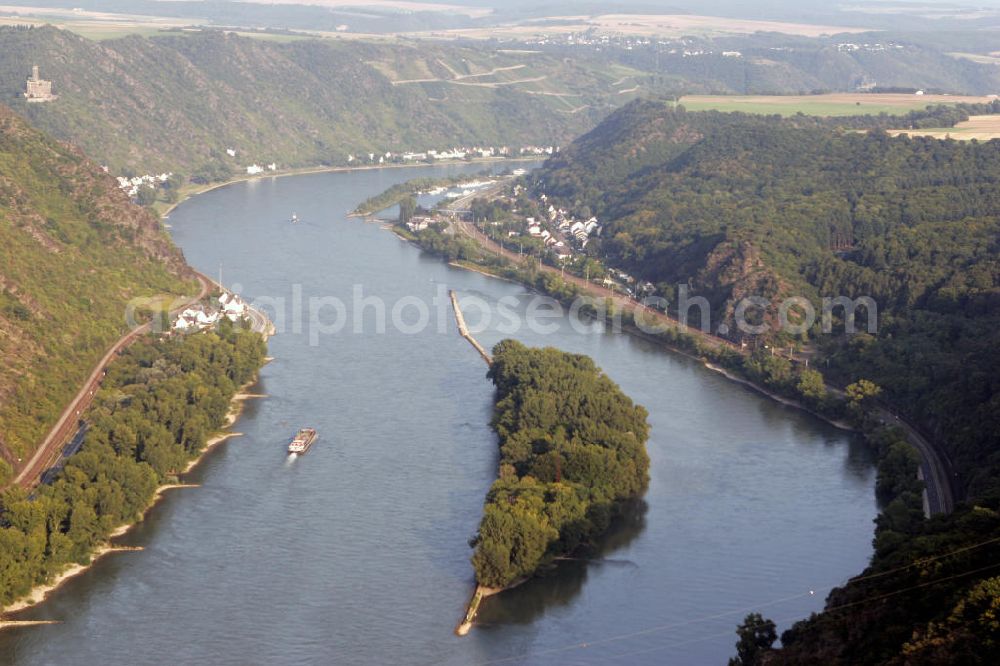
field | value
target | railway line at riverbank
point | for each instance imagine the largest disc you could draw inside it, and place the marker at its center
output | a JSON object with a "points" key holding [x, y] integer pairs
{"points": [[52, 450]]}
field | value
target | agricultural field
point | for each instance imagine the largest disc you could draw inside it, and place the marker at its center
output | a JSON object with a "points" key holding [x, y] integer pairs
{"points": [[835, 104], [981, 128], [648, 25], [100, 30], [980, 58]]}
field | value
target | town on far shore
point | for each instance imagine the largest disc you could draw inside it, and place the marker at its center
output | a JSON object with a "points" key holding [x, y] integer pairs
{"points": [[533, 225]]}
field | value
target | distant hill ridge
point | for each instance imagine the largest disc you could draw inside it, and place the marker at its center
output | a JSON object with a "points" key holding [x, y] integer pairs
{"points": [[179, 102]]}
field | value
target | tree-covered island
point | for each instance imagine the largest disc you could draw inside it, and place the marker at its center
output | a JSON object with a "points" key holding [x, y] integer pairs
{"points": [[572, 451]]}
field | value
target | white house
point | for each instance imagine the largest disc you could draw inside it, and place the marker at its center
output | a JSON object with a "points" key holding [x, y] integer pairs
{"points": [[205, 319], [232, 306], [419, 223], [254, 169]]}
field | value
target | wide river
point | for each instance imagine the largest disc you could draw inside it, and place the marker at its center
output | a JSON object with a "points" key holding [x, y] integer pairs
{"points": [[357, 553]]}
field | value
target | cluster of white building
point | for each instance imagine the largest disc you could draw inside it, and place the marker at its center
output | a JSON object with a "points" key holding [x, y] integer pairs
{"points": [[592, 39], [630, 43], [684, 47], [464, 189], [419, 223], [561, 231], [851, 47], [131, 185], [201, 317], [455, 153], [580, 230], [255, 169]]}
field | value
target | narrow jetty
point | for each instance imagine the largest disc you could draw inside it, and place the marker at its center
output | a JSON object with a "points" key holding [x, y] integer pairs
{"points": [[464, 330], [481, 592], [26, 623], [470, 614]]}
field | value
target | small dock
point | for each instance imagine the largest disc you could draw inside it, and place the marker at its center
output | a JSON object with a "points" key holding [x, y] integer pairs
{"points": [[464, 330]]}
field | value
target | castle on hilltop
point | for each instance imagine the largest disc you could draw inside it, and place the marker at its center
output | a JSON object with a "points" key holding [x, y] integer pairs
{"points": [[38, 89]]}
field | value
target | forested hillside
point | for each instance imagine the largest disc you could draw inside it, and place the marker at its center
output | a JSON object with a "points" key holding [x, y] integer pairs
{"points": [[738, 206], [179, 102], [73, 252]]}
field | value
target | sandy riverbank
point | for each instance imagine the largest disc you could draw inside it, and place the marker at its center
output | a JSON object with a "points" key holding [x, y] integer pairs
{"points": [[40, 592]]}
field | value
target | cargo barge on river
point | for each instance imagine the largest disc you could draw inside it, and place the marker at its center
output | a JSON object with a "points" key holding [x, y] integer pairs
{"points": [[302, 441]]}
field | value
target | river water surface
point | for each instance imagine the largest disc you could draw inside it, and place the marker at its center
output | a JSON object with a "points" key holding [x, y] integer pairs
{"points": [[357, 552]]}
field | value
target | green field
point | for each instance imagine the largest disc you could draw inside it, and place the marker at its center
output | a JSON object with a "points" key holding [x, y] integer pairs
{"points": [[839, 104]]}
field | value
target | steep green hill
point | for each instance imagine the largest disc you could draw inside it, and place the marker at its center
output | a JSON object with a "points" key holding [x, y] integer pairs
{"points": [[734, 206], [737, 205], [178, 102], [73, 252]]}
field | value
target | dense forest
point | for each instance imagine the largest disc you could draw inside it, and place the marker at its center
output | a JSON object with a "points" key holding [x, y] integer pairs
{"points": [[735, 205], [73, 253], [572, 449], [161, 401]]}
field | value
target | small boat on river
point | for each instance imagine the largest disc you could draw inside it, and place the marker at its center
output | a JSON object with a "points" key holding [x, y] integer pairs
{"points": [[302, 441]]}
